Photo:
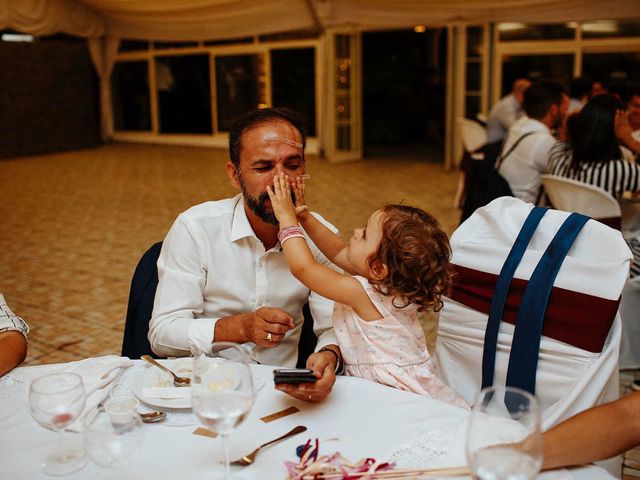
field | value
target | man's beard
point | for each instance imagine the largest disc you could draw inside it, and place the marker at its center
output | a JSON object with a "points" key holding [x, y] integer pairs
{"points": [[257, 205]]}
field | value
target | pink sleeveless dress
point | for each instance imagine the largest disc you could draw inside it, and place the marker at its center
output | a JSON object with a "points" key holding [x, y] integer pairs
{"points": [[391, 351]]}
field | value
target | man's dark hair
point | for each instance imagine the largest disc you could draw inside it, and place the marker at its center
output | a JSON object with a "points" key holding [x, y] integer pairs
{"points": [[254, 118], [539, 97], [580, 86]]}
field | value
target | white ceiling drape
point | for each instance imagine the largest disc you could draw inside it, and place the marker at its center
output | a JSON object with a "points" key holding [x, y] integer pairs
{"points": [[217, 19]]}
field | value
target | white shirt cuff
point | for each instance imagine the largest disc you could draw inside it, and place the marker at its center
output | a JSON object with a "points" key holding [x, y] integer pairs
{"points": [[201, 334]]}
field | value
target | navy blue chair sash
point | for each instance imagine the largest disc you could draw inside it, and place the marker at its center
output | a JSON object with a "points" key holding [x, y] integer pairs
{"points": [[523, 359]]}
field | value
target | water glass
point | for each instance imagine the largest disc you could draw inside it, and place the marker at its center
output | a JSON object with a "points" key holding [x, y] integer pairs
{"points": [[504, 441], [55, 401], [111, 440], [222, 390]]}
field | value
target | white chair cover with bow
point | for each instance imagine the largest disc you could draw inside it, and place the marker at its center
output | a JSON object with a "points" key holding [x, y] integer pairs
{"points": [[569, 379]]}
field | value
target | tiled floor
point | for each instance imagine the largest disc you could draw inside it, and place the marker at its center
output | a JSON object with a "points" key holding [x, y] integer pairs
{"points": [[75, 224]]}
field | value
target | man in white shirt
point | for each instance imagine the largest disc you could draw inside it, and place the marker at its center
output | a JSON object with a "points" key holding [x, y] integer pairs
{"points": [[506, 111], [13, 338], [521, 164], [222, 274]]}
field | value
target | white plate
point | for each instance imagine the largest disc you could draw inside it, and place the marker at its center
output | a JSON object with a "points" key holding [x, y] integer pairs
{"points": [[154, 377]]}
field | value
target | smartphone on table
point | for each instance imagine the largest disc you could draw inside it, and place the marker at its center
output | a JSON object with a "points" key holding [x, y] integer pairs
{"points": [[293, 375]]}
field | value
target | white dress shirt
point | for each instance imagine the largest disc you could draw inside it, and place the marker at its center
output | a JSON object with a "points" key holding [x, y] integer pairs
{"points": [[9, 321], [522, 167], [502, 116], [212, 266]]}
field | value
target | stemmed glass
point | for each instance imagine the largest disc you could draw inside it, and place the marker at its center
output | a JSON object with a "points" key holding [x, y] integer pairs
{"points": [[111, 439], [222, 390], [504, 441], [55, 401]]}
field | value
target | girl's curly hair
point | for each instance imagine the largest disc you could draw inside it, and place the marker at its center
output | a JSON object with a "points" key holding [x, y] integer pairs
{"points": [[416, 252]]}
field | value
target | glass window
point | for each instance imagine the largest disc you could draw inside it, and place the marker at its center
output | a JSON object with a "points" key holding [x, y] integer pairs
{"points": [[474, 41], [472, 106], [240, 87], [617, 71], [164, 45], [523, 31], [474, 76], [293, 83], [535, 67], [132, 46], [610, 28], [130, 96], [184, 98]]}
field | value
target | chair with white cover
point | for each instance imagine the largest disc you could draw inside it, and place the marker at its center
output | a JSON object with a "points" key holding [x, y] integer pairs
{"points": [[473, 136], [472, 133], [575, 196], [577, 362]]}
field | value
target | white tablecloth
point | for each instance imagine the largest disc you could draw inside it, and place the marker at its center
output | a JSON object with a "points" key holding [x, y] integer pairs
{"points": [[360, 419]]}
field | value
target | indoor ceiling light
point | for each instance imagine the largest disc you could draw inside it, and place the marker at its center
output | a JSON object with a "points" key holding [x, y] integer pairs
{"points": [[419, 29], [16, 37], [600, 26], [508, 26]]}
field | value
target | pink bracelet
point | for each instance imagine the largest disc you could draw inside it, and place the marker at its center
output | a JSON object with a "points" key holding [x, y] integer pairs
{"points": [[290, 231]]}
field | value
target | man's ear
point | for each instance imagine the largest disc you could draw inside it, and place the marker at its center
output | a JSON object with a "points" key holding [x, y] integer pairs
{"points": [[232, 173], [378, 270]]}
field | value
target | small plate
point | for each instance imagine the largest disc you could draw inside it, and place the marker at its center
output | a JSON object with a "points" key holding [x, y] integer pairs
{"points": [[154, 377]]}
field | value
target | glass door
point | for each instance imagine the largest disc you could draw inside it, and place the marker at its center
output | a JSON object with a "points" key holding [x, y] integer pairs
{"points": [[344, 117]]}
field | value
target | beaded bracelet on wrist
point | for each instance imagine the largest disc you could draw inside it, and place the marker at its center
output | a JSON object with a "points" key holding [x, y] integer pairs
{"points": [[289, 232]]}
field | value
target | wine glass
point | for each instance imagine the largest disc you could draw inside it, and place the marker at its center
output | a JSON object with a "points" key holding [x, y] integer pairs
{"points": [[504, 441], [114, 434], [55, 401], [222, 390]]}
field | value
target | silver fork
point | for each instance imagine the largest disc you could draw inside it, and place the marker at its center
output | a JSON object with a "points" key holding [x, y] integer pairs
{"points": [[177, 381], [249, 459]]}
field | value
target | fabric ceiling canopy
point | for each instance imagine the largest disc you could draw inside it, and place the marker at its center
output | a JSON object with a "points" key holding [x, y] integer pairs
{"points": [[217, 19]]}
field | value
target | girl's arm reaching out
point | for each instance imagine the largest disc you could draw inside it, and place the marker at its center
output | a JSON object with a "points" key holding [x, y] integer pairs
{"points": [[319, 278], [333, 247]]}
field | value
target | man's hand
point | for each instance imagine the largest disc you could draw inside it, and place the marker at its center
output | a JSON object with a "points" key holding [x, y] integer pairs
{"points": [[323, 365], [266, 326]]}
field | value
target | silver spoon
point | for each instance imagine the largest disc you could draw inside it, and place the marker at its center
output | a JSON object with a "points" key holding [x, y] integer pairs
{"points": [[177, 381], [153, 417]]}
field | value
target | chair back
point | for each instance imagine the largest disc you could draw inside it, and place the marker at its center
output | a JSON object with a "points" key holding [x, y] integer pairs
{"points": [[472, 133], [575, 196], [141, 295], [577, 359]]}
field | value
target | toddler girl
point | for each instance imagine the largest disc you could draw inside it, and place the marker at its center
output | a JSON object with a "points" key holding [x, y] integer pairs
{"points": [[400, 265]]}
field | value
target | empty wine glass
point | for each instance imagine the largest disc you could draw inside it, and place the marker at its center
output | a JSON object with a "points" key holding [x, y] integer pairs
{"points": [[222, 390], [55, 401], [504, 441], [112, 439]]}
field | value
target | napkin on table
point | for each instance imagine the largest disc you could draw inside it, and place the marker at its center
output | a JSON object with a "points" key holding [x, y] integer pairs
{"points": [[98, 374]]}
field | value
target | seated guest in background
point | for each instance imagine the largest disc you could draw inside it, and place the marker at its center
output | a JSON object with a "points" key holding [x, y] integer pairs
{"points": [[13, 338], [506, 111], [545, 106], [579, 93], [593, 155], [633, 110], [596, 434], [222, 274], [598, 88]]}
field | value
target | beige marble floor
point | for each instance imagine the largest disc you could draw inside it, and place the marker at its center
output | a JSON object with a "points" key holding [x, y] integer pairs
{"points": [[75, 224]]}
